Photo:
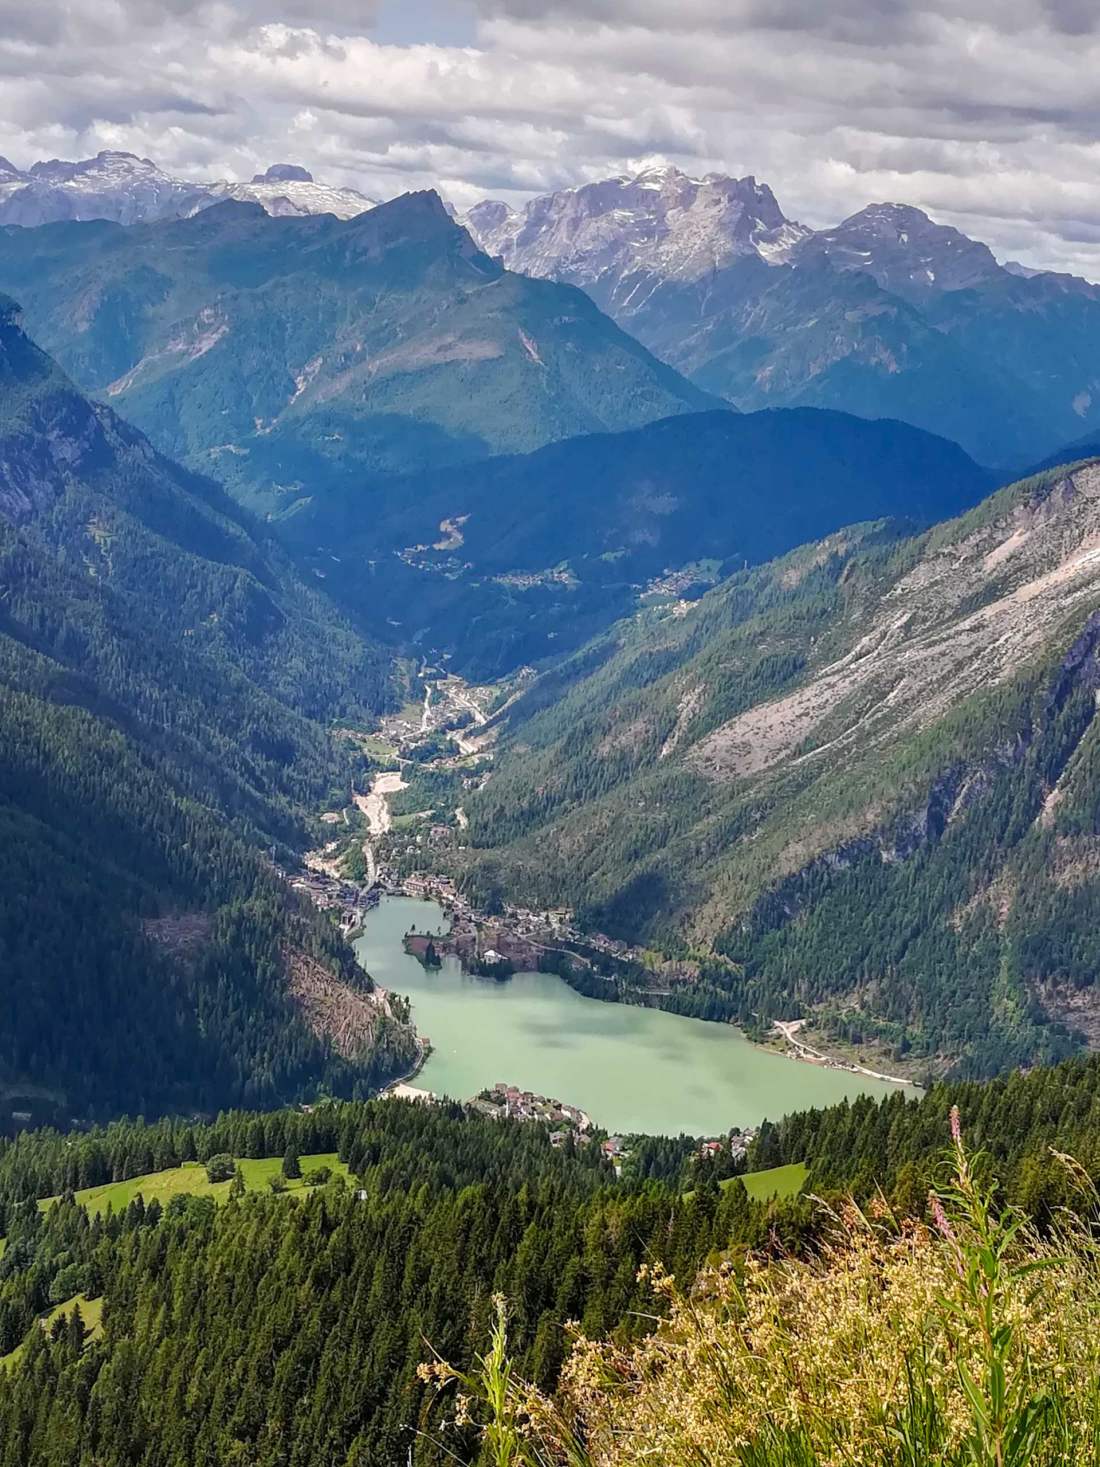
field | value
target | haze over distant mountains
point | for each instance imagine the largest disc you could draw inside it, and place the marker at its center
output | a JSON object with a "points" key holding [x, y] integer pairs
{"points": [[132, 190], [518, 558], [887, 314], [283, 354]]}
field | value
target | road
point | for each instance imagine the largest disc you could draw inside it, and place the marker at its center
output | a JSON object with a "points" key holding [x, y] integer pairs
{"points": [[789, 1029]]}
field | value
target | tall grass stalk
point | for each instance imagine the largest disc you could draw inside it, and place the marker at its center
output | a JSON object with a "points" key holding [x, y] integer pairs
{"points": [[965, 1339]]}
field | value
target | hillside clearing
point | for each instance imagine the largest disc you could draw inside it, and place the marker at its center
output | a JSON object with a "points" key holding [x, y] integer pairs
{"points": [[776, 1181], [190, 1180], [771, 1183], [91, 1311]]}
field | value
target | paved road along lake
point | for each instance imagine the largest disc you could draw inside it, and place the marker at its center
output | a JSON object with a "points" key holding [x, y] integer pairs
{"points": [[631, 1069]]}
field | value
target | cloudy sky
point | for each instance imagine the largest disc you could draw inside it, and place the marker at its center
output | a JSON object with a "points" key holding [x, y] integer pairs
{"points": [[984, 112]]}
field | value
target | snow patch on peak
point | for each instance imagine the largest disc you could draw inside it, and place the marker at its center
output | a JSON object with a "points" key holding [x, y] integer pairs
{"points": [[283, 192], [655, 224], [130, 190], [904, 250]]}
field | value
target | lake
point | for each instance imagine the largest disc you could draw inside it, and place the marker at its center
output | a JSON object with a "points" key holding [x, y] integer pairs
{"points": [[631, 1069]]}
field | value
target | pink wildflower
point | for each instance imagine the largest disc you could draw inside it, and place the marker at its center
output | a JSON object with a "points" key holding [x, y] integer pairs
{"points": [[956, 1125], [939, 1217]]}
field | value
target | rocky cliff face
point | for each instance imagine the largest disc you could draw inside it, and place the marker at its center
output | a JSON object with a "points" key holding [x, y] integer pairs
{"points": [[903, 250], [610, 237], [48, 432]]}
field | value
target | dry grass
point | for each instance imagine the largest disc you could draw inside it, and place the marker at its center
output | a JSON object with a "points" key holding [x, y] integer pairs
{"points": [[965, 1341]]}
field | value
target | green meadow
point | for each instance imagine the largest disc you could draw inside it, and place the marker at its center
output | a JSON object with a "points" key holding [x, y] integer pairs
{"points": [[91, 1311], [772, 1182], [190, 1180], [776, 1181]]}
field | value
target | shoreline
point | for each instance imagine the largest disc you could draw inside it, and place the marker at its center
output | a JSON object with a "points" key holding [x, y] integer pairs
{"points": [[520, 939], [423, 1054], [787, 1030], [798, 1049]]}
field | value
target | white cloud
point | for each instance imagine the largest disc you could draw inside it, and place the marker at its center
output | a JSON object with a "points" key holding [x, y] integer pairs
{"points": [[984, 112]]}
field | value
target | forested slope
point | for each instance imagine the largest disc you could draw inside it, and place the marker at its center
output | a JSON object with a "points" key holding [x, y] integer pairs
{"points": [[527, 556], [163, 674], [276, 1329], [291, 355], [864, 774]]}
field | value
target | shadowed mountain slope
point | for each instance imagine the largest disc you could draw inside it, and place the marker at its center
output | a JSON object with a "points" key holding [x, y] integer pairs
{"points": [[163, 675], [509, 561]]}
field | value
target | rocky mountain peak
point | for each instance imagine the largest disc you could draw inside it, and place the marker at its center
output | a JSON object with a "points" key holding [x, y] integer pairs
{"points": [[284, 173], [109, 162], [659, 221], [488, 217], [130, 190], [419, 219], [904, 250]]}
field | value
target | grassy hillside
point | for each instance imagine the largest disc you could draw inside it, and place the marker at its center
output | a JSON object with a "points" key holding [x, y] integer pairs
{"points": [[275, 1325], [863, 775], [776, 1181], [968, 1341], [190, 1180], [91, 1316]]}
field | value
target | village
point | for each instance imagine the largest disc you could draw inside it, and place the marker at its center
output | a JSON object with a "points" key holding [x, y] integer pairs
{"points": [[373, 851], [573, 1126], [515, 940], [509, 1102], [348, 902]]}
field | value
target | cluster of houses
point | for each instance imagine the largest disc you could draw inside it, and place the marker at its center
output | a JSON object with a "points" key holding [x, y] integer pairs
{"points": [[509, 1102], [431, 888], [331, 894], [737, 1143]]}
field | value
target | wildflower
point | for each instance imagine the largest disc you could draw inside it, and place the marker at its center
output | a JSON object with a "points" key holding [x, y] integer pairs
{"points": [[986, 1350], [940, 1218]]}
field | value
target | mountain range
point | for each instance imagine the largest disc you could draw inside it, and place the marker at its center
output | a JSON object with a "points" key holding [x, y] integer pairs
{"points": [[792, 706], [131, 190], [289, 354], [760, 692], [886, 315], [865, 774]]}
